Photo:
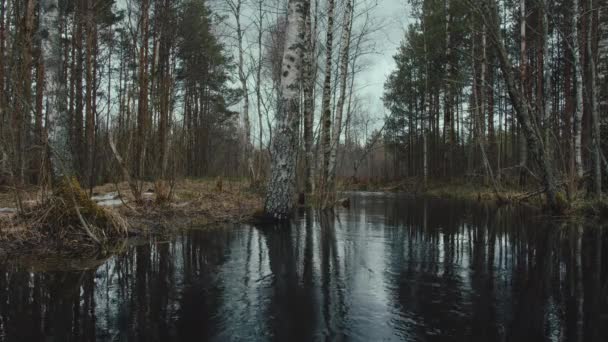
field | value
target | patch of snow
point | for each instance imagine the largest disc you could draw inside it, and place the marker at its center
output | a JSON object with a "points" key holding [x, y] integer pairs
{"points": [[110, 203], [105, 197]]}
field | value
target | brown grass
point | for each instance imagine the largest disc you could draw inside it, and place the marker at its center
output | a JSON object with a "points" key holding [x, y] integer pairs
{"points": [[163, 209]]}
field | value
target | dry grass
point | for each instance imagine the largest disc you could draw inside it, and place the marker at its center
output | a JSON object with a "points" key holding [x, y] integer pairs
{"points": [[194, 203], [163, 209]]}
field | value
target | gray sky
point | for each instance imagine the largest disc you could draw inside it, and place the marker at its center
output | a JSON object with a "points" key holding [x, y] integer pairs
{"points": [[394, 16]]}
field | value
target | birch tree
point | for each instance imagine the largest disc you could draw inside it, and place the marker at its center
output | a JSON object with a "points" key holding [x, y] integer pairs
{"points": [[309, 84], [281, 186], [596, 152], [236, 8], [578, 75], [58, 132], [337, 127], [326, 101]]}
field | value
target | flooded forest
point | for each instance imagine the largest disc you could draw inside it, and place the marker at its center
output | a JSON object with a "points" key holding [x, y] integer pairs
{"points": [[365, 170]]}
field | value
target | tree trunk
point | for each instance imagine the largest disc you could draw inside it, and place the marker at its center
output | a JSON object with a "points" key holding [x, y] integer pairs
{"points": [[309, 84], [326, 103], [337, 129], [258, 86], [523, 61], [3, 9], [236, 11], [578, 74], [90, 89], [58, 139], [448, 120], [596, 173], [522, 107], [142, 104], [281, 187]]}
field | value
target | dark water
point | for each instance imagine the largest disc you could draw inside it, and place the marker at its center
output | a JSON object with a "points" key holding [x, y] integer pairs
{"points": [[390, 268]]}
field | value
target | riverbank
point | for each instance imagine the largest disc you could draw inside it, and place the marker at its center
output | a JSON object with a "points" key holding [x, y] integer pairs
{"points": [[195, 203], [579, 206]]}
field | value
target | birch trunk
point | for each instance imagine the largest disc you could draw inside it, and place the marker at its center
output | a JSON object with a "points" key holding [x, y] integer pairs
{"points": [[326, 101], [58, 131], [309, 84], [547, 98], [578, 74], [337, 129], [281, 187], [595, 116]]}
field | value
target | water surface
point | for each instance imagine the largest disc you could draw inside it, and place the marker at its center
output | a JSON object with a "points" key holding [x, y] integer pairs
{"points": [[390, 268]]}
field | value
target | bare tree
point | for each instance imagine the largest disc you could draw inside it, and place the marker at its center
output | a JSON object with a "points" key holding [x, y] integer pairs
{"points": [[523, 108], [337, 128], [236, 7]]}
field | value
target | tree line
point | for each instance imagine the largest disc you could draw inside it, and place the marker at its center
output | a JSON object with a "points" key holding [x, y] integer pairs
{"points": [[508, 92], [139, 86], [153, 90]]}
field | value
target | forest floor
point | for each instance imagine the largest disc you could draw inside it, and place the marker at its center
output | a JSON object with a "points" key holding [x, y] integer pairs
{"points": [[195, 203]]}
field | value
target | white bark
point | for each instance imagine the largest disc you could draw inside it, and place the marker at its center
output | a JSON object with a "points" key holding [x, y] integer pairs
{"points": [[326, 101], [578, 75], [309, 84], [595, 115], [58, 133], [281, 187], [337, 129], [547, 100]]}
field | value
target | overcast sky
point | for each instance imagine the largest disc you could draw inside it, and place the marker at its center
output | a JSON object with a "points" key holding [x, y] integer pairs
{"points": [[394, 16]]}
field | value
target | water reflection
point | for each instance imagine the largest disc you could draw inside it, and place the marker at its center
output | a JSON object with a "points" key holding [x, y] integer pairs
{"points": [[390, 268]]}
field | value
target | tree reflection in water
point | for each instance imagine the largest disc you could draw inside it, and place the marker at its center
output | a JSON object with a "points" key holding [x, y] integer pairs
{"points": [[390, 268]]}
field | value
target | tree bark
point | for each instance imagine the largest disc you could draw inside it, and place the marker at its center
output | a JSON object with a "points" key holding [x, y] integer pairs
{"points": [[58, 139], [281, 187], [236, 11], [309, 84], [596, 173], [142, 103], [578, 75], [337, 128], [326, 103], [90, 89], [534, 137], [523, 72]]}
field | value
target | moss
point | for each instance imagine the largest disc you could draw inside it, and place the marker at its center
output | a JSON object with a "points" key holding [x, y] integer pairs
{"points": [[74, 198], [70, 215]]}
